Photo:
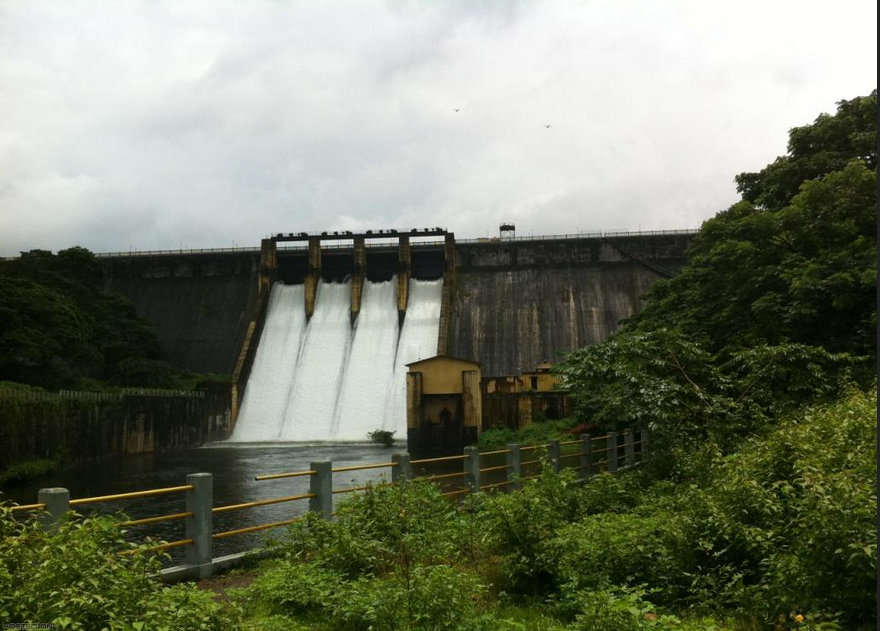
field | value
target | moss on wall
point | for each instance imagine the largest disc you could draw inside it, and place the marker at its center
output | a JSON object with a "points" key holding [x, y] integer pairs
{"points": [[88, 426]]}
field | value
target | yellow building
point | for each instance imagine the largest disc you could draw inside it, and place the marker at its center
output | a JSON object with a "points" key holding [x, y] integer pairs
{"points": [[443, 402], [541, 379], [515, 401]]}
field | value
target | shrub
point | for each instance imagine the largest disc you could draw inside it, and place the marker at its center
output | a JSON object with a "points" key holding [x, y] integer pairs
{"points": [[85, 576], [302, 589], [518, 524], [789, 522], [818, 474], [380, 529], [382, 437], [627, 549], [384, 563], [608, 493], [621, 609], [27, 470], [536, 433], [436, 597]]}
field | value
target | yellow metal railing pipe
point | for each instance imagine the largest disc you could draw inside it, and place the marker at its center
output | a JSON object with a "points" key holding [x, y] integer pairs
{"points": [[445, 476], [497, 451], [123, 496], [451, 493], [275, 500], [351, 489], [499, 468], [532, 447], [275, 476], [172, 544], [244, 531], [442, 459], [28, 507], [153, 520], [363, 467]]}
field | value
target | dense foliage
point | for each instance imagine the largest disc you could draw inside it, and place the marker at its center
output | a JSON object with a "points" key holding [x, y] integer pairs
{"points": [[795, 261], [661, 381], [775, 309], [60, 329], [778, 535], [85, 576], [730, 365], [535, 433]]}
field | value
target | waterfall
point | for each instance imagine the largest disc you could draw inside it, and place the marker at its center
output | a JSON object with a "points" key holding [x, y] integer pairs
{"points": [[265, 398], [331, 380], [317, 377], [418, 340], [370, 367]]}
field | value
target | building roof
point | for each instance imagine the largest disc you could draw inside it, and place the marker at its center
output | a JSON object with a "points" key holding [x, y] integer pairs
{"points": [[543, 367], [436, 357]]}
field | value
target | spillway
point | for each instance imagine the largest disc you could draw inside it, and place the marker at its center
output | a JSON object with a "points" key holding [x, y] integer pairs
{"points": [[261, 415], [331, 380]]}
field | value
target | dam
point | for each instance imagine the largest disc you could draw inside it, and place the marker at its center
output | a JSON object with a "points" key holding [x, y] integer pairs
{"points": [[329, 379], [345, 313]]}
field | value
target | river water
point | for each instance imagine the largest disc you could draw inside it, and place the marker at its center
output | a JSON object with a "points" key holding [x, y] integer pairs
{"points": [[233, 466]]}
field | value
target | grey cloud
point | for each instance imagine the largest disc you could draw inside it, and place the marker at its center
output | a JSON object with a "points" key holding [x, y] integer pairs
{"points": [[153, 124]]}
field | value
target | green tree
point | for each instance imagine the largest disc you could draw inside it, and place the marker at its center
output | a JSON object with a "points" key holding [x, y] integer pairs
{"points": [[655, 380], [794, 261], [59, 328], [775, 309], [815, 150]]}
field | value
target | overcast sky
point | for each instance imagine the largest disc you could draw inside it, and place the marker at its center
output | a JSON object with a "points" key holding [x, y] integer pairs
{"points": [[161, 125]]}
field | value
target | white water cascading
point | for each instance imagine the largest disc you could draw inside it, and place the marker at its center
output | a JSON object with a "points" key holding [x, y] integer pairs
{"points": [[363, 397], [329, 380], [261, 415]]}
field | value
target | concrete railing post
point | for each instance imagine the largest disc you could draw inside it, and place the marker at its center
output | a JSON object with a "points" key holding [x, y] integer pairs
{"points": [[57, 501], [321, 485], [199, 502], [586, 456], [401, 471], [472, 468], [629, 448], [555, 454], [514, 466], [611, 452]]}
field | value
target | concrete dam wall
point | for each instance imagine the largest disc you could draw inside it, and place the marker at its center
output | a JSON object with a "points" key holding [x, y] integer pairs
{"points": [[515, 304], [200, 303], [508, 304]]}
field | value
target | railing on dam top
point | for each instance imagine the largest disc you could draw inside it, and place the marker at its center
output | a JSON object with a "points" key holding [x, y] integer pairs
{"points": [[581, 235], [480, 471], [413, 243], [380, 244]]}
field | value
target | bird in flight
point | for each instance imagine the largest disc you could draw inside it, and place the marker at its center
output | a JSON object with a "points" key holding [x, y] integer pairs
{"points": [[457, 110]]}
